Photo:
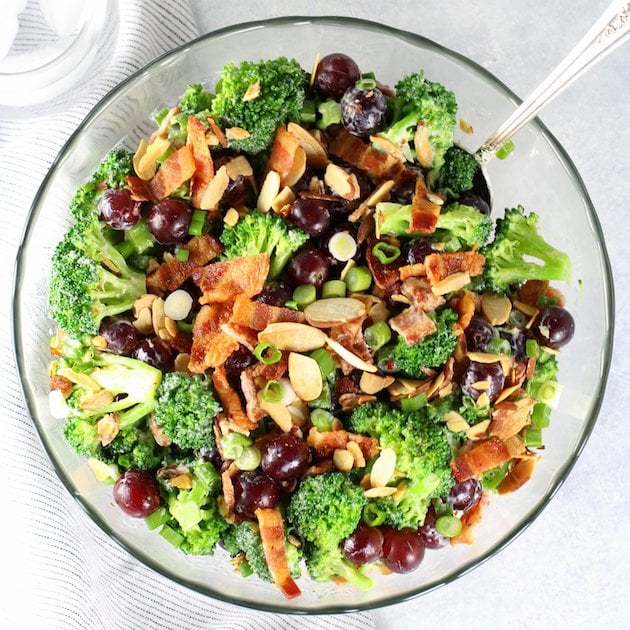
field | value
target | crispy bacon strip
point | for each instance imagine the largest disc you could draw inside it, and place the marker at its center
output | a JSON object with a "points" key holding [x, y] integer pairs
{"points": [[177, 169], [252, 408], [534, 289], [508, 418], [384, 275], [327, 442], [204, 167], [245, 336], [210, 346], [231, 401], [418, 290], [424, 213], [350, 336], [272, 535], [481, 457], [283, 150], [258, 316], [224, 281], [228, 486], [172, 274], [413, 324], [470, 520], [272, 372], [411, 271], [61, 383], [441, 265]]}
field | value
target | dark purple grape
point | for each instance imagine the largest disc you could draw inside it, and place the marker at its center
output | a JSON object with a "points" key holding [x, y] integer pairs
{"points": [[476, 373], [239, 192], [403, 550], [478, 334], [169, 220], [364, 545], [471, 199], [465, 494], [430, 536], [155, 352], [239, 360], [417, 250], [553, 327], [136, 493], [311, 215], [335, 73], [310, 266], [118, 209], [120, 335], [363, 110], [212, 455], [405, 186], [274, 294], [516, 339], [285, 457], [252, 491]]}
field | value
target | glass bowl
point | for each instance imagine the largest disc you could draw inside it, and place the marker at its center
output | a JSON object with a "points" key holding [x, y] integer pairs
{"points": [[538, 175]]}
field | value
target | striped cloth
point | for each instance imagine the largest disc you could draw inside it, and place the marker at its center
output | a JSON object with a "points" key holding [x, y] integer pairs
{"points": [[60, 570]]}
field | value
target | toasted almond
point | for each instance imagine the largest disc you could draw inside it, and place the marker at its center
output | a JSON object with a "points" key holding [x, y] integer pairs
{"points": [[518, 475], [349, 357], [214, 191], [465, 126], [183, 481], [435, 198], [484, 357], [107, 428], [305, 376], [344, 272], [421, 144], [144, 301], [97, 400], [351, 401], [549, 350], [455, 422], [157, 314], [453, 282], [314, 70], [495, 308], [445, 391], [372, 384], [143, 322], [341, 182], [483, 400], [478, 430], [284, 197], [385, 145], [146, 156], [293, 337], [236, 133], [297, 168], [383, 468], [506, 393], [165, 125], [330, 312], [528, 309], [171, 327], [400, 298], [381, 193], [181, 362], [278, 413], [100, 343], [481, 385], [217, 131], [316, 155], [211, 139], [252, 92], [231, 217], [268, 191], [239, 166], [355, 450], [79, 378], [343, 460], [401, 488], [377, 493]]}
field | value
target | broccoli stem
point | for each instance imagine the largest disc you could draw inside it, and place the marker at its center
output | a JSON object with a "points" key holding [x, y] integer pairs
{"points": [[345, 570]]}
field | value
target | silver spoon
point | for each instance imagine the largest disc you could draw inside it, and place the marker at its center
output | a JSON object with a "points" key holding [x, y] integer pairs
{"points": [[609, 31]]}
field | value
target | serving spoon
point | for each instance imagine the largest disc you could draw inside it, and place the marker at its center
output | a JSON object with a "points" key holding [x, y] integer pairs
{"points": [[609, 31]]}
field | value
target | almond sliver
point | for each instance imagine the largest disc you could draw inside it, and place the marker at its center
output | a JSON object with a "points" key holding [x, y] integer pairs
{"points": [[349, 357]]}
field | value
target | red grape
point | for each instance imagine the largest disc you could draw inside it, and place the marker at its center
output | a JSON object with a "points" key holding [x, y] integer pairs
{"points": [[476, 372], [364, 545], [136, 493], [335, 73], [403, 550], [471, 199], [120, 335], [239, 360], [478, 334], [311, 215], [285, 457], [274, 294], [430, 536], [465, 494], [310, 266], [553, 327], [363, 111], [417, 250], [118, 209], [169, 220], [155, 352], [252, 491]]}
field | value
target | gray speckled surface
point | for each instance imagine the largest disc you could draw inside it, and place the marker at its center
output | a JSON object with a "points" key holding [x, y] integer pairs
{"points": [[569, 568]]}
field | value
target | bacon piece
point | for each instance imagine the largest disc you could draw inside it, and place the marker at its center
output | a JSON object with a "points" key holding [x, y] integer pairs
{"points": [[327, 442], [204, 167], [252, 408], [60, 383], [384, 275], [272, 536], [517, 476], [231, 402], [411, 271], [182, 342], [508, 418], [481, 457], [177, 169], [413, 324], [243, 335], [210, 345], [224, 281], [441, 265], [470, 520], [139, 188], [350, 336], [424, 213], [172, 274], [228, 487], [418, 290], [282, 156], [258, 316], [272, 372]]}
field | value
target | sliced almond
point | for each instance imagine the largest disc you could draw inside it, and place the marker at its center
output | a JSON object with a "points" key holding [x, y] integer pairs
{"points": [[528, 309], [157, 315], [297, 168], [401, 488], [372, 383], [481, 385], [268, 191], [383, 468], [146, 157], [316, 155], [453, 282], [483, 401], [357, 454], [506, 393], [107, 428], [305, 376], [349, 357], [97, 400], [278, 413], [314, 70], [79, 378], [343, 460], [455, 422], [144, 301], [143, 322], [339, 180], [421, 144], [284, 197], [344, 272], [387, 146], [217, 131], [478, 430], [239, 166], [214, 192], [377, 493], [293, 337], [231, 217], [485, 357], [100, 343], [496, 308], [465, 126], [236, 133], [171, 327], [181, 362], [381, 193], [330, 312], [252, 92], [183, 481]]}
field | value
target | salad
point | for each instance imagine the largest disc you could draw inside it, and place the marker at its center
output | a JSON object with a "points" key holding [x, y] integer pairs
{"points": [[289, 328]]}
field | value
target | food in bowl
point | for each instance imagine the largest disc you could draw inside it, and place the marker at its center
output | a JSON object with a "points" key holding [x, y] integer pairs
{"points": [[286, 327]]}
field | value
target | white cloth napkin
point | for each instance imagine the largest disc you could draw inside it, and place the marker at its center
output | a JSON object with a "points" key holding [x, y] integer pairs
{"points": [[60, 570]]}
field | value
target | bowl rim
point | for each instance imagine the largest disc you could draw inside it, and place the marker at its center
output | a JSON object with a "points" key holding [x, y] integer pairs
{"points": [[564, 471]]}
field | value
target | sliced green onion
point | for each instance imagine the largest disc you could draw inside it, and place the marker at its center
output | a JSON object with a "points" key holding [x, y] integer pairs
{"points": [[125, 248], [385, 253], [182, 255], [249, 459], [413, 404], [324, 400], [168, 533], [532, 437], [333, 289], [366, 83], [261, 352], [292, 304], [185, 327], [549, 393], [272, 391], [385, 359], [498, 345], [448, 526], [309, 112], [140, 237], [532, 349], [233, 445], [197, 223], [157, 518], [442, 508], [373, 515], [505, 150], [322, 419], [160, 115], [124, 461], [358, 279], [330, 111], [324, 360], [540, 416], [544, 300], [342, 246], [245, 569], [304, 295], [377, 335], [368, 75], [492, 478]]}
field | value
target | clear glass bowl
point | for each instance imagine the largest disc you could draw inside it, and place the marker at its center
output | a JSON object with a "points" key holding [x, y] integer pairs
{"points": [[538, 175]]}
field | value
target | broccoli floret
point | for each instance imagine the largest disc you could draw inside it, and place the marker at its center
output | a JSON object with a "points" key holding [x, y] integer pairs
{"points": [[196, 99], [282, 87], [113, 172], [135, 448], [90, 280], [261, 232], [458, 171], [509, 257], [418, 99], [81, 435], [462, 227], [431, 351], [324, 510], [186, 409], [544, 371]]}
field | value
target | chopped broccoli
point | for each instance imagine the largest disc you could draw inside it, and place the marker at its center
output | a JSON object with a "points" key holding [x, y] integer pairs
{"points": [[135, 448], [282, 88], [82, 436], [260, 232], [544, 371], [463, 227], [509, 257], [324, 510], [418, 99], [90, 280], [186, 409], [196, 99], [432, 351], [458, 171]]}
